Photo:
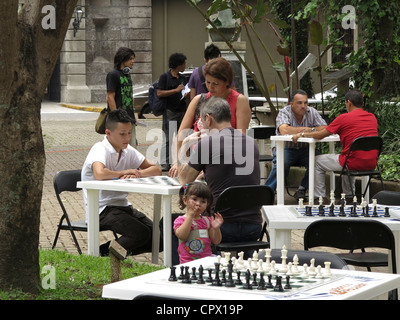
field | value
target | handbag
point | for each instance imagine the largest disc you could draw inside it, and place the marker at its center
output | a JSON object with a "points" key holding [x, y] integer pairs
{"points": [[100, 126]]}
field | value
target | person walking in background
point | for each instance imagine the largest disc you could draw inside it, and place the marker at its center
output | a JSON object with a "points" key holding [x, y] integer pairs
{"points": [[119, 86], [170, 86]]}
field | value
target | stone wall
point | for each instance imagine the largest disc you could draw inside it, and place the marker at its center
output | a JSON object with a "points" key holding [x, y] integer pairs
{"points": [[111, 24]]}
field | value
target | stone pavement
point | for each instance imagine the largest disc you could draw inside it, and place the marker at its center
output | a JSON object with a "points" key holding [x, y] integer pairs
{"points": [[67, 140]]}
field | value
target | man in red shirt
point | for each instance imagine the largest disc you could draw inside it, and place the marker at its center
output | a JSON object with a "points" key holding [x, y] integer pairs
{"points": [[349, 126]]}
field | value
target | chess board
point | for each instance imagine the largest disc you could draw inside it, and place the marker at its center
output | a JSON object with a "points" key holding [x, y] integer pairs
{"points": [[277, 285], [348, 211]]}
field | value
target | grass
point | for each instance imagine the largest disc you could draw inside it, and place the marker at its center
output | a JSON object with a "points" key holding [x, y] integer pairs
{"points": [[77, 277]]}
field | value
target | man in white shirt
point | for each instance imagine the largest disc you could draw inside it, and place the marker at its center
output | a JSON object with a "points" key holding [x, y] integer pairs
{"points": [[114, 158]]}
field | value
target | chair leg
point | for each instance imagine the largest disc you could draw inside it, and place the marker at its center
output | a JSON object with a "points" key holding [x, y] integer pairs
{"points": [[56, 237]]}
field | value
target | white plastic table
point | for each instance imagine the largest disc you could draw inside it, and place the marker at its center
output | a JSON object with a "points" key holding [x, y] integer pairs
{"points": [[162, 202], [283, 219], [280, 160], [344, 285]]}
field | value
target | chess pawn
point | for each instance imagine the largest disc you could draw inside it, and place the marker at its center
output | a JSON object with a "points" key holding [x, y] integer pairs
{"points": [[319, 273], [327, 273], [284, 257], [289, 272], [272, 271], [305, 274], [255, 255], [250, 265], [301, 203], [311, 270], [260, 266], [295, 264]]}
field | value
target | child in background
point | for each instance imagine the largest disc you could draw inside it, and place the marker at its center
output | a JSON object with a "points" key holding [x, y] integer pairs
{"points": [[195, 231]]}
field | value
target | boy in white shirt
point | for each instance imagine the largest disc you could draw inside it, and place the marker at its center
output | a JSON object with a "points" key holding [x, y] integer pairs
{"points": [[115, 158]]}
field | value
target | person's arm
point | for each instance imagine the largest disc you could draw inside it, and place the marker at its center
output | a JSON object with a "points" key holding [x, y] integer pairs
{"points": [[183, 231], [243, 113], [187, 174], [316, 135], [186, 125], [110, 98], [147, 169]]}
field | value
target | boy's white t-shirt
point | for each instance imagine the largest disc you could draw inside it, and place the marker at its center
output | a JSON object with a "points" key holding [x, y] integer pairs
{"points": [[105, 153]]}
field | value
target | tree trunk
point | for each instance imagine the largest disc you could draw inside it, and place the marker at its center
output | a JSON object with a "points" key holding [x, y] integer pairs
{"points": [[27, 58]]}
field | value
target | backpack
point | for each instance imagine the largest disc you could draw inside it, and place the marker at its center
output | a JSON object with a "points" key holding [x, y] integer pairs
{"points": [[157, 105]]}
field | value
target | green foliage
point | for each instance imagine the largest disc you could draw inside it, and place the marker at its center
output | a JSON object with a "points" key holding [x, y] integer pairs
{"points": [[78, 277], [390, 166]]}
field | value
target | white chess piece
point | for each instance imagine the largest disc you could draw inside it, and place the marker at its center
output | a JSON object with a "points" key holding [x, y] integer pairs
{"points": [[260, 266], [332, 197], [272, 271], [250, 265], [295, 264], [284, 258], [311, 270], [240, 261], [319, 273], [327, 272], [305, 274], [321, 200], [289, 272], [301, 203], [227, 256], [267, 259]]}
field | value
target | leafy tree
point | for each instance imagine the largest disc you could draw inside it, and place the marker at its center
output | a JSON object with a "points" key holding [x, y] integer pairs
{"points": [[29, 49]]}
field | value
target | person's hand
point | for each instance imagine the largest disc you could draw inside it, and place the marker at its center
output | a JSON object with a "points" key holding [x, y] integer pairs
{"points": [[130, 174], [217, 220], [173, 171], [296, 137]]}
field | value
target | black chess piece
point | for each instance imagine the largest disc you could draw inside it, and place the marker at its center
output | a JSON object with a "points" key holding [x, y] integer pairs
{"points": [[341, 211], [247, 284], [229, 282], [186, 278], [387, 214], [366, 211], [331, 210], [269, 283], [321, 211], [172, 276], [193, 277], [238, 281], [200, 279], [254, 283], [223, 280], [375, 212], [278, 286], [308, 211], [261, 283], [287, 285], [182, 274], [209, 279], [217, 280]]}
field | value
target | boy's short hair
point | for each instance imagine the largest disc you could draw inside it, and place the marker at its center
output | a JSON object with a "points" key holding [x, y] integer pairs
{"points": [[176, 59], [117, 116]]}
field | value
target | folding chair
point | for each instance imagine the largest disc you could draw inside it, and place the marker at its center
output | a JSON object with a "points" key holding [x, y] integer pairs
{"points": [[65, 181], [245, 197], [262, 133], [353, 235], [363, 144], [389, 198]]}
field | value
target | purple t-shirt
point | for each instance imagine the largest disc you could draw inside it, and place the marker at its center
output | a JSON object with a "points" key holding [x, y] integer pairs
{"points": [[195, 82]]}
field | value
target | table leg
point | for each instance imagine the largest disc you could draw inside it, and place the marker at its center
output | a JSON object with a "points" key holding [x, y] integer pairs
{"points": [[364, 182], [332, 174], [156, 229], [280, 172], [280, 238], [311, 173], [167, 227], [93, 224]]}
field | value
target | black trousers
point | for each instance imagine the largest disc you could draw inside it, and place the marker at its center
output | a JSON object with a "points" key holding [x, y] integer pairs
{"points": [[135, 228]]}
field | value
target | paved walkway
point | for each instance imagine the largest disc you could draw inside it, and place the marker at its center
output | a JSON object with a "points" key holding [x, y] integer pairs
{"points": [[67, 143]]}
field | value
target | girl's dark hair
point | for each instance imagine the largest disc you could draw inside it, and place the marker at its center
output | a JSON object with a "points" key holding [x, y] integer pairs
{"points": [[123, 54], [199, 189]]}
